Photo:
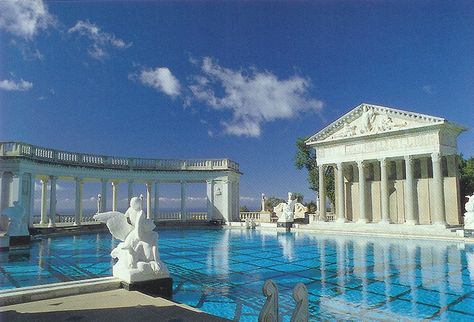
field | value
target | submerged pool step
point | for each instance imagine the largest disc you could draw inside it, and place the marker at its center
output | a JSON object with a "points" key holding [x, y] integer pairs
{"points": [[43, 292]]}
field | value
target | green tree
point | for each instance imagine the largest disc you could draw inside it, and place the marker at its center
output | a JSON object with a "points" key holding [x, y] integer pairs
{"points": [[466, 177], [298, 196], [306, 158], [244, 209], [271, 202]]}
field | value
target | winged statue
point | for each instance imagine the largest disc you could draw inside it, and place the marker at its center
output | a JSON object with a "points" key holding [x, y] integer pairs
{"points": [[137, 254]]}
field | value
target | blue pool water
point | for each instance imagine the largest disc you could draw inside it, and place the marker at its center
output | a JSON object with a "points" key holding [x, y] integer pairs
{"points": [[222, 272]]}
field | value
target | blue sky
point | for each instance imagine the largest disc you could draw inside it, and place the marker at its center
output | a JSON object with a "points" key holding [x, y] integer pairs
{"points": [[241, 80]]}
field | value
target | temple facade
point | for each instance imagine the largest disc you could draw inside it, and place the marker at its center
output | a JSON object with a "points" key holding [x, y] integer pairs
{"points": [[391, 166]]}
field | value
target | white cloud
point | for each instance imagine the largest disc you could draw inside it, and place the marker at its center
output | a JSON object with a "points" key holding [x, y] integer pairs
{"points": [[253, 96], [11, 85], [428, 89], [162, 80], [24, 18], [101, 41]]}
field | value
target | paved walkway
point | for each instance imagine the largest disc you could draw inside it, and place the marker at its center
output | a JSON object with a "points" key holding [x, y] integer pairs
{"points": [[116, 305]]}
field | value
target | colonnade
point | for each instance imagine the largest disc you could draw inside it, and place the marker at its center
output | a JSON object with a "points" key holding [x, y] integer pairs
{"points": [[22, 164], [436, 190]]}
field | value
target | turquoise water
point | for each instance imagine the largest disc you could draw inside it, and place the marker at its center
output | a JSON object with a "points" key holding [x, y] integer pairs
{"points": [[222, 272]]}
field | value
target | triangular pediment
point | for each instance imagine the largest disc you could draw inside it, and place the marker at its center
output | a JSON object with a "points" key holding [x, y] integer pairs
{"points": [[367, 119]]}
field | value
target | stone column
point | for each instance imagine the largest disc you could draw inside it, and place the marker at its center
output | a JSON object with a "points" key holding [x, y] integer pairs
{"points": [[114, 195], [44, 193], [149, 212], [210, 199], [362, 192], [130, 190], [438, 191], [384, 192], [341, 204], [52, 202], [409, 192], [7, 180], [156, 208], [322, 194], [103, 194], [78, 208], [183, 200]]}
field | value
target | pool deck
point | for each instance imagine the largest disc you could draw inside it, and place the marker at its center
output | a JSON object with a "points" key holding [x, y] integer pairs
{"points": [[371, 229], [111, 305]]}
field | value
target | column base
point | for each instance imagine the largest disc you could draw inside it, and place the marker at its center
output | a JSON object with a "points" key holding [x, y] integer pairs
{"points": [[440, 224], [341, 220], [51, 225], [411, 222], [361, 221]]}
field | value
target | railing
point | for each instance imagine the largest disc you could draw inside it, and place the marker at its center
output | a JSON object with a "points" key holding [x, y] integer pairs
{"points": [[256, 216], [187, 216], [32, 152], [315, 217], [68, 219]]}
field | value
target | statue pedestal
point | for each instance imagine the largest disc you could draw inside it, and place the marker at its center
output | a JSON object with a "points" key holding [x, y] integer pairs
{"points": [[162, 287], [18, 241], [285, 224]]}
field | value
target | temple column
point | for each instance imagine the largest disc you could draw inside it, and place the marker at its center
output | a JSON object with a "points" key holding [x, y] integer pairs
{"points": [[78, 208], [44, 193], [103, 195], [114, 195], [130, 190], [362, 192], [52, 202], [384, 192], [210, 199], [341, 204], [156, 208], [409, 192], [322, 194], [149, 213], [438, 191], [183, 200], [7, 180]]}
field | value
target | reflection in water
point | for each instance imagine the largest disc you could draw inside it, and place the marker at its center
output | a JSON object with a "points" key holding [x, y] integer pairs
{"points": [[347, 277], [286, 241]]}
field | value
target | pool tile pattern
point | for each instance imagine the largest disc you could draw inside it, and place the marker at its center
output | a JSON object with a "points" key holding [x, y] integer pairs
{"points": [[222, 272]]}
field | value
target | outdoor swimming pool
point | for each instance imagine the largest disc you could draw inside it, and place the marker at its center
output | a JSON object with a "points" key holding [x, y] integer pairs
{"points": [[222, 272]]}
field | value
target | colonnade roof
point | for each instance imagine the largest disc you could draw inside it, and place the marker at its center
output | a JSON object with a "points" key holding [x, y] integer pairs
{"points": [[20, 150]]}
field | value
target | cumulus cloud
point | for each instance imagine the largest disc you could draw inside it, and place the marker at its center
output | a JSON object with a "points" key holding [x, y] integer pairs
{"points": [[24, 18], [12, 85], [162, 80], [253, 96], [101, 41]]}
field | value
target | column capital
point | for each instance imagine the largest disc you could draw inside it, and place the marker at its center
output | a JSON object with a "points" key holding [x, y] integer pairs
{"points": [[361, 163], [114, 182], [148, 183], [53, 178], [103, 180], [383, 161], [409, 158], [436, 157], [79, 179], [44, 179]]}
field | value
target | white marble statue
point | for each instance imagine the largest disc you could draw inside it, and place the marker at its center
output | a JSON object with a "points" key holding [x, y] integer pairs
{"points": [[285, 211], [288, 212], [469, 214], [18, 220], [137, 254]]}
